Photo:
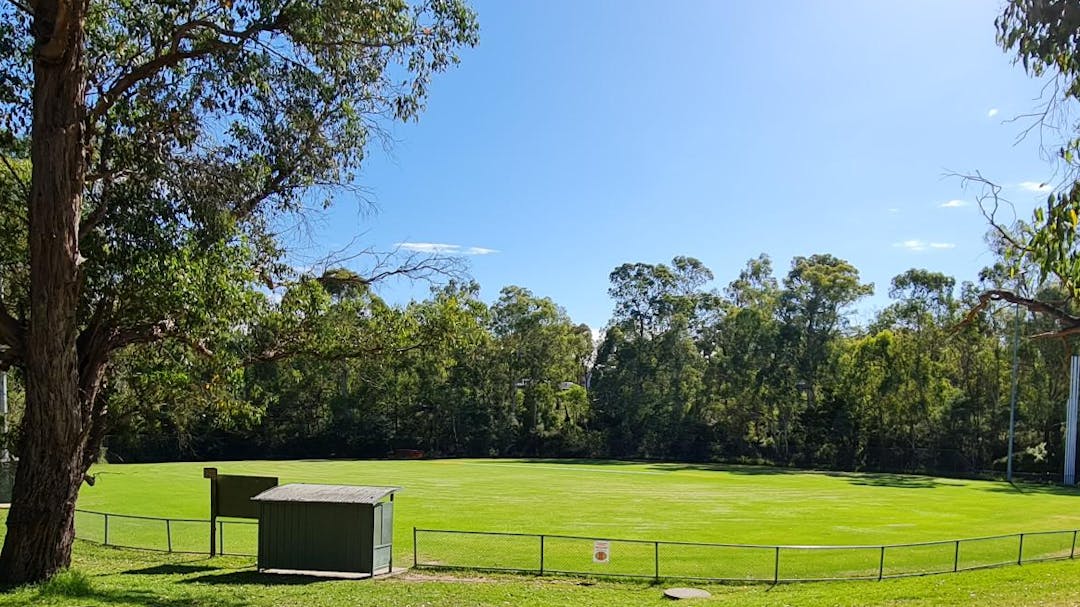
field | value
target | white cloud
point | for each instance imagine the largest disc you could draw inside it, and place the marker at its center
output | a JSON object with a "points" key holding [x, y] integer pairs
{"points": [[1035, 186], [429, 247], [954, 204], [993, 112], [911, 245], [893, 211], [441, 248], [921, 245]]}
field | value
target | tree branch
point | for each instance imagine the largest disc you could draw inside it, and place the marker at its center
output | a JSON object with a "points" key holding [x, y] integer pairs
{"points": [[281, 353], [1069, 323], [158, 331], [174, 55]]}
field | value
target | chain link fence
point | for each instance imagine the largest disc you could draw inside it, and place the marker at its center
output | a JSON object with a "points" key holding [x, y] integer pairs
{"points": [[182, 535], [564, 554]]}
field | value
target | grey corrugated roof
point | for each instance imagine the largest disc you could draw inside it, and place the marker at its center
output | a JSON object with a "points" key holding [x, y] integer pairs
{"points": [[325, 494]]}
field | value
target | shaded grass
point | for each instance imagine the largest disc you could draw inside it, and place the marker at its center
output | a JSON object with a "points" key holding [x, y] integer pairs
{"points": [[230, 582]]}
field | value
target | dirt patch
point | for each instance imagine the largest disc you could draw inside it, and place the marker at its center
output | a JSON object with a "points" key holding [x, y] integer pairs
{"points": [[416, 576]]}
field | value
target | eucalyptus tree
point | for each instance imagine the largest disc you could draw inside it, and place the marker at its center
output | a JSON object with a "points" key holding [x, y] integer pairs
{"points": [[814, 303], [542, 350], [167, 142]]}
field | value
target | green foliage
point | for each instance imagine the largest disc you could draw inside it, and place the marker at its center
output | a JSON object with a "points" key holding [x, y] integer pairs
{"points": [[207, 125], [1044, 35]]}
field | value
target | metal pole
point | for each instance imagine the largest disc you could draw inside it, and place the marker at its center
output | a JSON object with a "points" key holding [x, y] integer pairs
{"points": [[656, 561], [956, 557], [213, 533], [1020, 555], [221, 537], [776, 567], [4, 455], [881, 565], [106, 529], [415, 558], [168, 533], [541, 555], [1072, 552], [1012, 398]]}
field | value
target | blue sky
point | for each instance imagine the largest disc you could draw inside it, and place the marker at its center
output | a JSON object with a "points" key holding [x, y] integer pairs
{"points": [[582, 135]]}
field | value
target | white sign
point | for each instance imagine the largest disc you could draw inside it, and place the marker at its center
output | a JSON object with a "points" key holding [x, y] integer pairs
{"points": [[601, 552]]}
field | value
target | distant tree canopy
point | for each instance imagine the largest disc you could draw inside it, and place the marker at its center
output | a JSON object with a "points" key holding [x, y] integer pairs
{"points": [[768, 369]]}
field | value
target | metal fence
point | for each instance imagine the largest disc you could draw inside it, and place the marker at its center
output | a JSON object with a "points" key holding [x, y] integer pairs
{"points": [[565, 554], [192, 536]]}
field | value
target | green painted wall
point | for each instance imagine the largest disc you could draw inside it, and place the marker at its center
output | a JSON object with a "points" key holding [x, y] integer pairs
{"points": [[325, 537]]}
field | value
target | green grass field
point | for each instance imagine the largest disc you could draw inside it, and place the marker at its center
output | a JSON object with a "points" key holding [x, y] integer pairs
{"points": [[615, 500], [126, 578], [666, 502]]}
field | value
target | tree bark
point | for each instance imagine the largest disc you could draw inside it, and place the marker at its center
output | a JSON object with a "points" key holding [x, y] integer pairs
{"points": [[56, 423]]}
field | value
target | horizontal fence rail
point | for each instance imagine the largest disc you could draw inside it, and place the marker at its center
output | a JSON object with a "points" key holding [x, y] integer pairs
{"points": [[632, 558], [543, 554], [180, 535]]}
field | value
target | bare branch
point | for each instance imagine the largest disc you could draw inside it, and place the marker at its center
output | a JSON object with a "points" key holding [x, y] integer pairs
{"points": [[1069, 324]]}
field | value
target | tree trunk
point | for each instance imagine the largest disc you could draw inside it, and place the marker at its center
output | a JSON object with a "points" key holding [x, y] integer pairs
{"points": [[56, 422]]}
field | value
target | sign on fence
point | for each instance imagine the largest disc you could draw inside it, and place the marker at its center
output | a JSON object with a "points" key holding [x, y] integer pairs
{"points": [[601, 552]]}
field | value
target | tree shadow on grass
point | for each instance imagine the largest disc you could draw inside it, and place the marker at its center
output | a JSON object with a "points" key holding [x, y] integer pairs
{"points": [[581, 461], [148, 598], [900, 481], [253, 577], [171, 569], [864, 479], [151, 599], [1033, 489]]}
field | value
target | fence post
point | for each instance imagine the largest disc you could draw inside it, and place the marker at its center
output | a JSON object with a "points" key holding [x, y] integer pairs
{"points": [[221, 537], [1072, 552], [956, 557], [541, 555], [168, 533], [1020, 555], [881, 565], [415, 557], [106, 529], [656, 561], [776, 567]]}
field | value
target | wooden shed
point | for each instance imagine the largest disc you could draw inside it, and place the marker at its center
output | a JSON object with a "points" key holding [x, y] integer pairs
{"points": [[337, 528]]}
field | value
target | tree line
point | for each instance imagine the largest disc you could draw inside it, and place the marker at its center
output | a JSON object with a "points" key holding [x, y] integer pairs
{"points": [[767, 369]]}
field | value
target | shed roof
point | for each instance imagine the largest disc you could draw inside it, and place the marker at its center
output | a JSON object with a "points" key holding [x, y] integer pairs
{"points": [[325, 494]]}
